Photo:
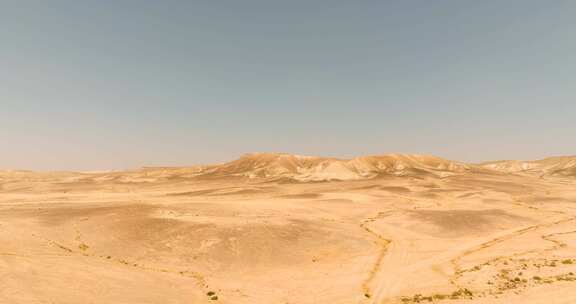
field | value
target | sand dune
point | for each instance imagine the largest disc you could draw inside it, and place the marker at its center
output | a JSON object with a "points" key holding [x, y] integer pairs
{"points": [[280, 228]]}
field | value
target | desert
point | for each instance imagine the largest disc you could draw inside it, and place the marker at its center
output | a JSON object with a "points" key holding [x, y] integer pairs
{"points": [[283, 228], [287, 152]]}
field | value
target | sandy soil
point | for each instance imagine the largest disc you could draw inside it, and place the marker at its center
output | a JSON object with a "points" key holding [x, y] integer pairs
{"points": [[467, 238]]}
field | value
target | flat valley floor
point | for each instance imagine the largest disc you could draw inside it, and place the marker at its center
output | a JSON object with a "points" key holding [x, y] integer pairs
{"points": [[470, 238]]}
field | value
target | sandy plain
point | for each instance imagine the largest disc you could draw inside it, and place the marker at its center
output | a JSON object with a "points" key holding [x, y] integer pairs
{"points": [[160, 236]]}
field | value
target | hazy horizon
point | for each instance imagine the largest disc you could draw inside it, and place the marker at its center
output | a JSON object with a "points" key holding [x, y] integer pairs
{"points": [[105, 86]]}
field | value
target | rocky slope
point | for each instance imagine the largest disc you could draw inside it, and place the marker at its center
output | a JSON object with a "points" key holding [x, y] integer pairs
{"points": [[308, 168], [290, 167], [562, 166]]}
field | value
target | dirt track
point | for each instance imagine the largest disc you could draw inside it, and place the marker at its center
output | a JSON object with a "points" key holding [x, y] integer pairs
{"points": [[463, 239]]}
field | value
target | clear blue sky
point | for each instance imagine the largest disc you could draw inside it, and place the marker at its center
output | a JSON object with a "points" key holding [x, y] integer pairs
{"points": [[118, 84]]}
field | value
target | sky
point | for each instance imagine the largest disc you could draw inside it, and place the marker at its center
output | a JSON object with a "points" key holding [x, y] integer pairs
{"points": [[89, 85]]}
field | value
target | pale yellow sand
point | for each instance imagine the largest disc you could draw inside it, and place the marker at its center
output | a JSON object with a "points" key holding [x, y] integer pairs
{"points": [[168, 236]]}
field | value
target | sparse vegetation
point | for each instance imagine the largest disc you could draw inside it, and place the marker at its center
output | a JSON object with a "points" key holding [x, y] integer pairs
{"points": [[460, 293], [212, 295], [83, 247], [161, 244]]}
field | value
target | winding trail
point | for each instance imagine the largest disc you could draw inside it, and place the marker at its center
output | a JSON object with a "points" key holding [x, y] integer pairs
{"points": [[84, 251], [384, 290], [384, 244], [458, 271]]}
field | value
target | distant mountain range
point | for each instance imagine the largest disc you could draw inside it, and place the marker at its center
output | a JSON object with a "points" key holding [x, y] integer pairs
{"points": [[309, 168], [563, 166], [283, 166]]}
